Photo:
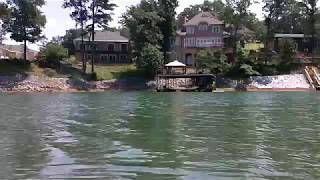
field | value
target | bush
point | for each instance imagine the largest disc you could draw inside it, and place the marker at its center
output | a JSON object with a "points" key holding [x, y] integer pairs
{"points": [[52, 55], [215, 62], [149, 60]]}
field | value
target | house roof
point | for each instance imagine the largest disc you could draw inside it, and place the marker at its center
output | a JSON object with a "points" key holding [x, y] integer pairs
{"points": [[15, 48], [203, 17], [289, 35], [107, 36]]}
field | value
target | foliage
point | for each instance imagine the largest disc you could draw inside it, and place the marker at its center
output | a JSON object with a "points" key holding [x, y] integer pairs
{"points": [[52, 55], [213, 61], [287, 53], [166, 10], [67, 39], [4, 13], [80, 16], [150, 60], [26, 21], [100, 15], [143, 23]]}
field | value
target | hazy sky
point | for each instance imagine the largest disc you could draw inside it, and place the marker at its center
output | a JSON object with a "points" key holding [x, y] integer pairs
{"points": [[58, 19]]}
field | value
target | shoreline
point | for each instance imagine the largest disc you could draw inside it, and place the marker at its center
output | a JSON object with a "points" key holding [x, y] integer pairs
{"points": [[34, 84]]}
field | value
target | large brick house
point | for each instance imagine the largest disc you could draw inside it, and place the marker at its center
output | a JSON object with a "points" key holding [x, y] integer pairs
{"points": [[111, 48], [202, 31]]}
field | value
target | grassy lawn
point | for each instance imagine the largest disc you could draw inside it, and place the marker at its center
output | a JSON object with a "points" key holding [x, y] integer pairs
{"points": [[107, 72], [104, 72], [253, 46]]}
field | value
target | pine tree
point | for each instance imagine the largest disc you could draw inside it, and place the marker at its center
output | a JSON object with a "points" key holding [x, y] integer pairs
{"points": [[80, 16], [26, 21]]}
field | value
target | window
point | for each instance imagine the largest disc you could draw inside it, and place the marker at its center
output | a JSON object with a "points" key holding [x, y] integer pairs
{"points": [[203, 27], [89, 57], [124, 47], [104, 58], [216, 29], [112, 58], [110, 47], [123, 58], [190, 30], [218, 40]]}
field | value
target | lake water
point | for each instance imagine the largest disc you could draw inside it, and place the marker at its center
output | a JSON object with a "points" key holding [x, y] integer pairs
{"points": [[151, 136]]}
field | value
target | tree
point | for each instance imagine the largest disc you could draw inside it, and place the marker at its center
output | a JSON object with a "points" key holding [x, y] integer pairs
{"points": [[80, 16], [166, 10], [52, 54], [240, 9], [311, 10], [143, 22], [150, 59], [4, 13], [100, 15], [67, 39], [213, 61], [26, 21]]}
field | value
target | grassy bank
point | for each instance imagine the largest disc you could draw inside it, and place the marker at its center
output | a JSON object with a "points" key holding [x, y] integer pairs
{"points": [[104, 72]]}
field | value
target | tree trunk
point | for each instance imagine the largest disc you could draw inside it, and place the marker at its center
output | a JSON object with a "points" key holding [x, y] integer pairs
{"points": [[25, 50], [84, 63], [25, 44], [266, 43], [235, 39], [93, 48]]}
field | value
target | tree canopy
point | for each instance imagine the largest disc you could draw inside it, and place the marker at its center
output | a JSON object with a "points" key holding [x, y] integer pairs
{"points": [[26, 21]]}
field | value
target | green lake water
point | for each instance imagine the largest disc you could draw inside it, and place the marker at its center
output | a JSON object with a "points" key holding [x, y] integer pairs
{"points": [[151, 136]]}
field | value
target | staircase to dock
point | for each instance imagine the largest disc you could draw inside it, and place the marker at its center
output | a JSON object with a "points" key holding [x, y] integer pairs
{"points": [[312, 75]]}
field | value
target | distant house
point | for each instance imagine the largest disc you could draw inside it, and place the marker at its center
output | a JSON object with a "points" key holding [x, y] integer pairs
{"points": [[202, 31], [16, 52], [111, 48]]}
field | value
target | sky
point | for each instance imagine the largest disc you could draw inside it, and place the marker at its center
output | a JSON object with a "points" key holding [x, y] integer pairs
{"points": [[58, 19]]}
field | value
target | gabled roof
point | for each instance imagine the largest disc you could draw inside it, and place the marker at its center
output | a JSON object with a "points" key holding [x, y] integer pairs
{"points": [[203, 17], [107, 36], [15, 48]]}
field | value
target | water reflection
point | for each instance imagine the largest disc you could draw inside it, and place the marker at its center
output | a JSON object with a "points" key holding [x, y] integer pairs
{"points": [[149, 135]]}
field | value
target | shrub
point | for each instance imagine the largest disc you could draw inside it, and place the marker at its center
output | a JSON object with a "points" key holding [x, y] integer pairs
{"points": [[52, 55], [215, 62], [149, 60]]}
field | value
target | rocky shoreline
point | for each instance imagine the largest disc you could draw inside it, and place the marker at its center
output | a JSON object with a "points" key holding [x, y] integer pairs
{"points": [[20, 83]]}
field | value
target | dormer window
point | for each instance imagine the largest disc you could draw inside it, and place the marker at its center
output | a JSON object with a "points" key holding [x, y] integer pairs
{"points": [[190, 30], [203, 27], [216, 29]]}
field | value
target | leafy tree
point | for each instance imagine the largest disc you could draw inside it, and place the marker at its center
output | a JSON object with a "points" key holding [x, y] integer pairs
{"points": [[240, 9], [67, 39], [100, 15], [150, 59], [213, 61], [52, 55], [287, 50], [26, 21], [311, 10], [4, 13], [166, 10], [143, 22], [80, 16]]}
